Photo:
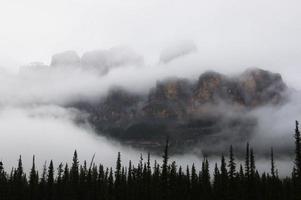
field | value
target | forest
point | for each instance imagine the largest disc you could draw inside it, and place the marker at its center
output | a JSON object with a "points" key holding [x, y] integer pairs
{"points": [[154, 180]]}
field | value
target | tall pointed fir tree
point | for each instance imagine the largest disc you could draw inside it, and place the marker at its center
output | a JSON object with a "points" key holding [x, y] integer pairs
{"points": [[297, 150], [252, 164], [50, 181], [205, 179], [232, 175], [164, 175], [118, 178], [59, 180], [231, 165], [224, 178], [273, 171], [33, 181], [247, 161], [3, 182], [297, 167], [20, 180], [74, 175]]}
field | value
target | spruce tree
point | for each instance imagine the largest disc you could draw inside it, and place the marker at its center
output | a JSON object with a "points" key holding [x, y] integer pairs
{"points": [[298, 150], [74, 175], [205, 179], [247, 161], [297, 173], [33, 181], [3, 183], [216, 182], [164, 175], [118, 169], [231, 165], [118, 178], [224, 178], [43, 181], [252, 164], [273, 173], [50, 181], [59, 181], [232, 174], [195, 187]]}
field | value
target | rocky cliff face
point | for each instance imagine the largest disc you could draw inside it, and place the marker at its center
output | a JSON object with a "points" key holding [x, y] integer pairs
{"points": [[187, 111]]}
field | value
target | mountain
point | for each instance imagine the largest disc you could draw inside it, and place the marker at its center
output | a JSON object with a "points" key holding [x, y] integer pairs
{"points": [[209, 111]]}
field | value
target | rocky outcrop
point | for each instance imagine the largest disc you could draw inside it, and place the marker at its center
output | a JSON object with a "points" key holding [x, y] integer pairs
{"points": [[168, 100], [104, 60], [188, 111], [66, 58], [98, 61], [260, 87]]}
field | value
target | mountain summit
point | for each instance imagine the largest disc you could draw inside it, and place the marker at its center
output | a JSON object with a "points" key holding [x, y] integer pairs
{"points": [[209, 110]]}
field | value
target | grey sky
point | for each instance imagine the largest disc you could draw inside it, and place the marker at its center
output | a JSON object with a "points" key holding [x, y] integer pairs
{"points": [[227, 36], [233, 33]]}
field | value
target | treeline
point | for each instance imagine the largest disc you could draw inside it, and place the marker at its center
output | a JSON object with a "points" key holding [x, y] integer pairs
{"points": [[153, 181]]}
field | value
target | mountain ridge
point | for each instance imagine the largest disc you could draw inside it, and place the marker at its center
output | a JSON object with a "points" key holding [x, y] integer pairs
{"points": [[187, 111]]}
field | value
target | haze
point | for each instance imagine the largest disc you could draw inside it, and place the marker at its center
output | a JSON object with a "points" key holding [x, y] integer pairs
{"points": [[232, 33], [150, 40]]}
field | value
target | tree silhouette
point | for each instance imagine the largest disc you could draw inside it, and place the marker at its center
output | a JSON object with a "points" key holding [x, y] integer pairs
{"points": [[166, 181]]}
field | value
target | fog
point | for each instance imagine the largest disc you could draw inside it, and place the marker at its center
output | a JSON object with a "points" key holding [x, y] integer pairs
{"points": [[49, 133], [232, 34], [35, 121], [97, 45]]}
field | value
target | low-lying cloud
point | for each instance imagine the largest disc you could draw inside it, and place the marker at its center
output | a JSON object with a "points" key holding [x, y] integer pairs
{"points": [[49, 133], [35, 121], [176, 51]]}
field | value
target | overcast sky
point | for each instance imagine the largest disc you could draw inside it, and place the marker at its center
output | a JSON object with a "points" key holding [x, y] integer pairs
{"points": [[263, 33], [223, 35]]}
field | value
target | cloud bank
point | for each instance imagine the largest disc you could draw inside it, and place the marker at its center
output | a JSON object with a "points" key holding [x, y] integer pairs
{"points": [[177, 51], [34, 119]]}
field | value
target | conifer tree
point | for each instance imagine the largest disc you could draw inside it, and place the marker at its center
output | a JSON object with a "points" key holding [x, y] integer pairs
{"points": [[194, 183], [50, 175], [33, 180], [59, 180], [60, 173], [50, 180], [297, 150], [118, 169], [216, 180], [164, 175], [3, 182], [224, 173], [231, 165], [232, 174], [205, 179], [165, 181], [247, 161], [118, 178], [111, 194], [224, 177], [20, 170], [252, 164], [297, 173], [65, 177], [74, 175], [43, 181], [273, 173]]}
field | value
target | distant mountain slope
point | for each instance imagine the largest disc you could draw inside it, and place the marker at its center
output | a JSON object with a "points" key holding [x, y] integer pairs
{"points": [[210, 111]]}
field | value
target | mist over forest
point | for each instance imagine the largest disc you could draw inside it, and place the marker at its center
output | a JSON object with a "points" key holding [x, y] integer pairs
{"points": [[103, 77], [41, 116]]}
